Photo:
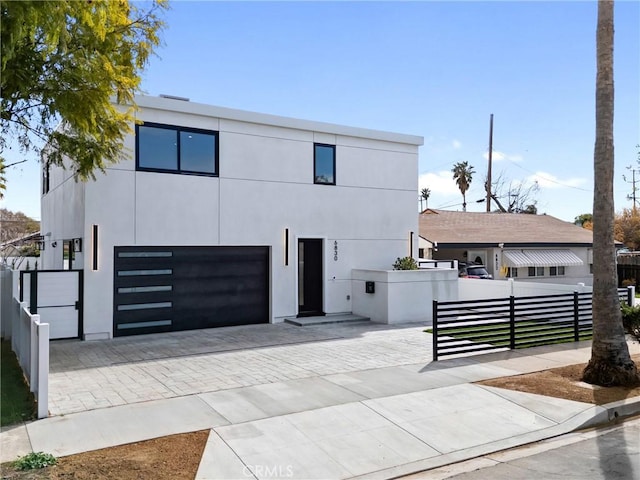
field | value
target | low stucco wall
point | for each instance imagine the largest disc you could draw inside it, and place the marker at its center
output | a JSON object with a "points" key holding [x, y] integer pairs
{"points": [[402, 295]]}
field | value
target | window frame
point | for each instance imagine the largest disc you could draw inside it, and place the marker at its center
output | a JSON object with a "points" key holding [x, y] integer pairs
{"points": [[557, 271], [333, 148], [538, 271], [512, 272], [178, 129]]}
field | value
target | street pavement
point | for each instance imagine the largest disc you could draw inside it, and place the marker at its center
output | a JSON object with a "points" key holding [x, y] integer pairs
{"points": [[331, 401], [606, 453]]}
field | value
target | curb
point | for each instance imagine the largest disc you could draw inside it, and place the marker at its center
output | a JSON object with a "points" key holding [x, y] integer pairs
{"points": [[595, 416]]}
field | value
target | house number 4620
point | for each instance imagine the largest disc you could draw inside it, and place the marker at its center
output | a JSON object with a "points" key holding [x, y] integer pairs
{"points": [[335, 251]]}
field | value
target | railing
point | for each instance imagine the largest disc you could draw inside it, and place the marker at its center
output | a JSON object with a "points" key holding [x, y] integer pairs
{"points": [[437, 263], [476, 326]]}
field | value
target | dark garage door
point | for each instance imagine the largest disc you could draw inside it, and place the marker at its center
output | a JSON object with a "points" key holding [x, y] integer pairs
{"points": [[163, 289]]}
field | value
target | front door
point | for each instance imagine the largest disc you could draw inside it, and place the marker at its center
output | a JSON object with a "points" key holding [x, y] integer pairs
{"points": [[310, 277]]}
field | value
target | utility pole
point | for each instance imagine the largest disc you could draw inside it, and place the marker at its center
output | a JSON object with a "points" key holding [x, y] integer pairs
{"points": [[489, 169], [632, 195]]}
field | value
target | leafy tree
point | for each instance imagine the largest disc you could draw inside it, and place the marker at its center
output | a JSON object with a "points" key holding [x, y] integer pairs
{"points": [[463, 174], [610, 363], [581, 219], [626, 228], [15, 225], [3, 179], [67, 60]]}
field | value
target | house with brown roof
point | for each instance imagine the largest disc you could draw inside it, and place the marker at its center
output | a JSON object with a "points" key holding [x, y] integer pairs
{"points": [[525, 247]]}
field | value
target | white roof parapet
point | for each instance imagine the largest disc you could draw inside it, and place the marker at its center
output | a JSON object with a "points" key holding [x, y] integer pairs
{"points": [[169, 104]]}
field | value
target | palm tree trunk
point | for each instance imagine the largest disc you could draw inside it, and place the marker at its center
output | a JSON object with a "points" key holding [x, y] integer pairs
{"points": [[464, 202], [610, 363]]}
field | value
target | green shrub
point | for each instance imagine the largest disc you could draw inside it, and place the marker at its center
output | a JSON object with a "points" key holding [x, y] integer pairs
{"points": [[405, 263], [631, 320], [35, 460]]}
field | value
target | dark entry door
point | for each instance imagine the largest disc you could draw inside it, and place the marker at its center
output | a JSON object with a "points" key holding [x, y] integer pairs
{"points": [[310, 277]]}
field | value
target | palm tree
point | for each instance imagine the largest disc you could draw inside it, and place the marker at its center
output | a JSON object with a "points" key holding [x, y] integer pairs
{"points": [[425, 193], [610, 363], [462, 174]]}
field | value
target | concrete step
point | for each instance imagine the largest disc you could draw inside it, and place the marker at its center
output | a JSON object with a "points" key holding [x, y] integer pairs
{"points": [[326, 319]]}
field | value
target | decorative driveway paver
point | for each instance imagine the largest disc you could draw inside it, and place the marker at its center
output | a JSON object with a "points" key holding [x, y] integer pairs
{"points": [[98, 374]]}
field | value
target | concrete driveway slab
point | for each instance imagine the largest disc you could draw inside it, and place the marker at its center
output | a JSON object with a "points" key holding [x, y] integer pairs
{"points": [[279, 398]]}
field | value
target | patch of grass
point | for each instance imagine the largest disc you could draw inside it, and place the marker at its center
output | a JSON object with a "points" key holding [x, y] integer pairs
{"points": [[35, 460], [17, 403], [499, 335]]}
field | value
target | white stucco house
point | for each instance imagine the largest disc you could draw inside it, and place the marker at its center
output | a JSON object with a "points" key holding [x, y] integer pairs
{"points": [[226, 217]]}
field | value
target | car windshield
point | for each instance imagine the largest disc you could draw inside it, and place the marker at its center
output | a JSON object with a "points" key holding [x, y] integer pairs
{"points": [[477, 271]]}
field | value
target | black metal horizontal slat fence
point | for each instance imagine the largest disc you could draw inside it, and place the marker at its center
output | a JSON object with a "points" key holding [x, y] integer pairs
{"points": [[471, 326]]}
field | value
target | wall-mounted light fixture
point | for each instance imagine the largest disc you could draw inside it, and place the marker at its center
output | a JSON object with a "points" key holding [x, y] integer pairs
{"points": [[286, 247], [501, 245], [411, 244], [94, 247], [54, 244]]}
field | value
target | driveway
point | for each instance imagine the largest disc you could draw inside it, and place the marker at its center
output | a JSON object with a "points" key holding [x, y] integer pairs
{"points": [[98, 374]]}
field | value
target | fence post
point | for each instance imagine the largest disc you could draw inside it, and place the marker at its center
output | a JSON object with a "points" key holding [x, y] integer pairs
{"points": [[576, 317], [631, 295], [33, 352], [43, 370], [435, 330], [512, 322]]}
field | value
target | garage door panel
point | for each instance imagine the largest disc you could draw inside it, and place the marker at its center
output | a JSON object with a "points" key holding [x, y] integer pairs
{"points": [[204, 286]]}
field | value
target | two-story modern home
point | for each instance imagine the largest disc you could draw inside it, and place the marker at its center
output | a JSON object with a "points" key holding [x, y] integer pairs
{"points": [[226, 217]]}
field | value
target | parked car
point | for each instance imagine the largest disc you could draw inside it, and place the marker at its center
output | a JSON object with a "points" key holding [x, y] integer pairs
{"points": [[473, 270]]}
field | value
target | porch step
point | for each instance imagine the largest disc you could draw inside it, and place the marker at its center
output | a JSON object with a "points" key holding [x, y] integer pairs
{"points": [[327, 319]]}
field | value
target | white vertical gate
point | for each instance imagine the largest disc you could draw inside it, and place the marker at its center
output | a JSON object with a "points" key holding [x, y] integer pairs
{"points": [[55, 295]]}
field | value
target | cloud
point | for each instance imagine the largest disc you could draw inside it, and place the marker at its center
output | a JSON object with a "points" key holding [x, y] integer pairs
{"points": [[547, 180], [439, 183], [456, 144], [499, 156]]}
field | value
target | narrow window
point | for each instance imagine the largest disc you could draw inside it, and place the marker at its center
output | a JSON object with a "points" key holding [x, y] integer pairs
{"points": [[45, 178], [324, 164]]}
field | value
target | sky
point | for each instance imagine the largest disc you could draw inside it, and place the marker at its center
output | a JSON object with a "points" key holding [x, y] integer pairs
{"points": [[433, 69]]}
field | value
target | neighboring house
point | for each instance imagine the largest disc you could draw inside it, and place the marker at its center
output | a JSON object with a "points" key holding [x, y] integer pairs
{"points": [[537, 248], [227, 217]]}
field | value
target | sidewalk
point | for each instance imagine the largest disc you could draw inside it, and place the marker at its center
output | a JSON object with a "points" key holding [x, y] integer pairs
{"points": [[374, 423]]}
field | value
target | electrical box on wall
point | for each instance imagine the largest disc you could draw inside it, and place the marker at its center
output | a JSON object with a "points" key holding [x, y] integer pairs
{"points": [[370, 287]]}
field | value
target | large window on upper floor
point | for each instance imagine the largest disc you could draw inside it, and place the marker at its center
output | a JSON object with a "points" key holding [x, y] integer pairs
{"points": [[324, 164], [165, 148]]}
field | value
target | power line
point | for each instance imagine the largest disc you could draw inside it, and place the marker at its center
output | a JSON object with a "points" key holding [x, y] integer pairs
{"points": [[547, 179]]}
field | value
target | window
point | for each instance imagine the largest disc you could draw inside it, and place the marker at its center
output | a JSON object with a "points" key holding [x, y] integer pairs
{"points": [[45, 178], [556, 271], [324, 164], [536, 271], [164, 148], [512, 272]]}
